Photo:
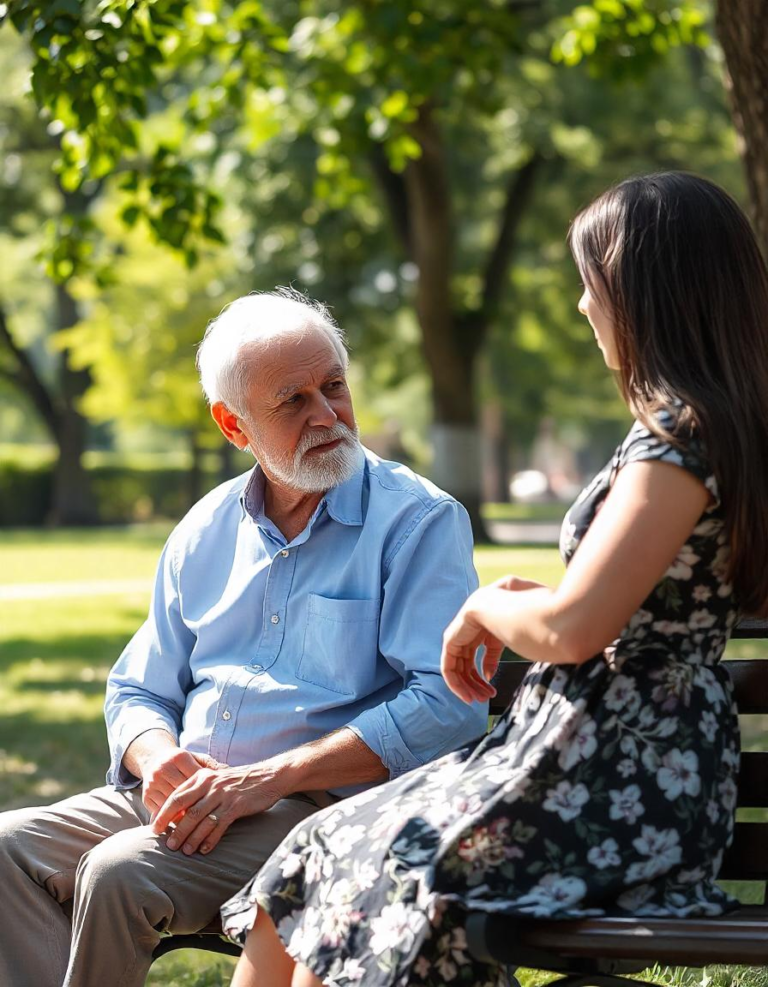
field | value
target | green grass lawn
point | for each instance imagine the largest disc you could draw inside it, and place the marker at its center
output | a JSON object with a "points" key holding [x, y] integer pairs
{"points": [[54, 658]]}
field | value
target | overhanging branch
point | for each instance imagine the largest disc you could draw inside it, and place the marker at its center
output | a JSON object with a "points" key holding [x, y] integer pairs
{"points": [[516, 199]]}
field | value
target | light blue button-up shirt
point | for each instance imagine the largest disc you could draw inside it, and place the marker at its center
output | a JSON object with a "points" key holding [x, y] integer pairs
{"points": [[255, 645]]}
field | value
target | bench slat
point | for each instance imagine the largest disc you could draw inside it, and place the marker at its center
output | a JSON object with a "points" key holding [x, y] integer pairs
{"points": [[736, 938]]}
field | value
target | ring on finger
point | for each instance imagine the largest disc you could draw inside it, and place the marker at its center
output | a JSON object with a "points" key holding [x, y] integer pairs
{"points": [[213, 817]]}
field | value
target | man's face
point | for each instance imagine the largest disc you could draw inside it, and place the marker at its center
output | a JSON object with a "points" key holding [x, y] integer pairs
{"points": [[300, 425]]}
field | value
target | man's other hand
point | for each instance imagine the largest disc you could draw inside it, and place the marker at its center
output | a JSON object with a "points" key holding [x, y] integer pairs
{"points": [[205, 805]]}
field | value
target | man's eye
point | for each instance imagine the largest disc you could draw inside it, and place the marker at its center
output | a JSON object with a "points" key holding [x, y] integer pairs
{"points": [[335, 384], [293, 400]]}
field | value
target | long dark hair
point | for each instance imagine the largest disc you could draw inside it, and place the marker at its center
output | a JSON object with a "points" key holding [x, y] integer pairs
{"points": [[673, 260]]}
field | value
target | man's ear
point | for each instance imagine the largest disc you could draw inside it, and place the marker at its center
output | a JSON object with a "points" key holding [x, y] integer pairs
{"points": [[229, 424]]}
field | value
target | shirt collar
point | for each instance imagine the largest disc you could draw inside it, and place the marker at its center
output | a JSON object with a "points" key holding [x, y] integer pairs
{"points": [[344, 502]]}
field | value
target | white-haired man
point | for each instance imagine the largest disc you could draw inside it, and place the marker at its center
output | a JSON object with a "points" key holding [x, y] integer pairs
{"points": [[290, 657]]}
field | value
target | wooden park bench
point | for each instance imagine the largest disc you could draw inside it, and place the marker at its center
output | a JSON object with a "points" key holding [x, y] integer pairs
{"points": [[595, 952]]}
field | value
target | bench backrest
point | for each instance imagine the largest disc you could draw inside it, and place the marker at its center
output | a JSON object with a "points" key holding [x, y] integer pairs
{"points": [[747, 859]]}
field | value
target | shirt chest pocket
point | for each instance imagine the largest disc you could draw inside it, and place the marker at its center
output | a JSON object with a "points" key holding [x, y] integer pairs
{"points": [[340, 645]]}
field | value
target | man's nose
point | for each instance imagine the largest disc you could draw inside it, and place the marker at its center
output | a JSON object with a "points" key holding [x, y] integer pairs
{"points": [[582, 306], [322, 413]]}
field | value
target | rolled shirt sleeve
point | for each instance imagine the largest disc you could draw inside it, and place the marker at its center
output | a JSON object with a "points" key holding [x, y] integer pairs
{"points": [[428, 576], [147, 687]]}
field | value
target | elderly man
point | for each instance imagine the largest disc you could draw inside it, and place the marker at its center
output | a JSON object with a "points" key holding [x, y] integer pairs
{"points": [[290, 657]]}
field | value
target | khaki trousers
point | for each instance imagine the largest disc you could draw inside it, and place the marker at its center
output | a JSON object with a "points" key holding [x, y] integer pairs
{"points": [[94, 857]]}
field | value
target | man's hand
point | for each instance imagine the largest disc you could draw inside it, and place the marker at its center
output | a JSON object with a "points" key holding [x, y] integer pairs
{"points": [[168, 769], [162, 766], [205, 805]]}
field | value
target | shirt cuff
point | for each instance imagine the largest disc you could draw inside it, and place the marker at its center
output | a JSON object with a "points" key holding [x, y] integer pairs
{"points": [[376, 728], [118, 775]]}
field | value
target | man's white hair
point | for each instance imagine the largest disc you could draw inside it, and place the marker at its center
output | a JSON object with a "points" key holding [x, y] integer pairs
{"points": [[226, 367]]}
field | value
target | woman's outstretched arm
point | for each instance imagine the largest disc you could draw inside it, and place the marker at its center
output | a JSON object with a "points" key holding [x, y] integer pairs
{"points": [[645, 520]]}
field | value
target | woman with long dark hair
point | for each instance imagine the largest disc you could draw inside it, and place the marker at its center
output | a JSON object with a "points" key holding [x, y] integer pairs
{"points": [[609, 784]]}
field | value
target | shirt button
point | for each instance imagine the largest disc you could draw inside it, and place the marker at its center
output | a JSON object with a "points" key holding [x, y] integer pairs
{"points": [[275, 619], [285, 553], [226, 715]]}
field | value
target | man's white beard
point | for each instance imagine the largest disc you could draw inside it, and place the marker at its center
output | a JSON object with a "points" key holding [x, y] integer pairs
{"points": [[321, 470]]}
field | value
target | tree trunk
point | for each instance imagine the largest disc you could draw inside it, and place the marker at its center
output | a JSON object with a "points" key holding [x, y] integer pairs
{"points": [[73, 502], [455, 436], [742, 26]]}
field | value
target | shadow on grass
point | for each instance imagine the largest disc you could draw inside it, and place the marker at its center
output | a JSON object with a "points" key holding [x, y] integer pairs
{"points": [[87, 649], [43, 760]]}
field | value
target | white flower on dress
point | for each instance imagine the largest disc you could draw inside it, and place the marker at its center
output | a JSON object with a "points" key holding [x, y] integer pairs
{"points": [[708, 725], [291, 864], [351, 971], [682, 567], [582, 745], [668, 627], [605, 855], [654, 842], [713, 811], [701, 594], [626, 767], [305, 937], [728, 794], [332, 820], [422, 967], [396, 926], [640, 617], [621, 693], [336, 923], [364, 874], [341, 842], [663, 849], [341, 892], [701, 619], [679, 772], [626, 804], [566, 800], [731, 758], [552, 893]]}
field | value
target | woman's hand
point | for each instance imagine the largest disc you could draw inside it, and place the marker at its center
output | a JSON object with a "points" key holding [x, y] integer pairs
{"points": [[466, 633]]}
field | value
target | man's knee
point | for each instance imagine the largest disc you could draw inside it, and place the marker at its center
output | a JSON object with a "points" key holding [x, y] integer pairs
{"points": [[18, 835], [117, 866]]}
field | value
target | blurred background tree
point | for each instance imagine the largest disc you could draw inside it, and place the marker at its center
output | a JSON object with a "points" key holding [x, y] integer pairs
{"points": [[414, 165]]}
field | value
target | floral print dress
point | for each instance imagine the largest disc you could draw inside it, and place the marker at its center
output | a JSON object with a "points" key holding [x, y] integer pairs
{"points": [[606, 787]]}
